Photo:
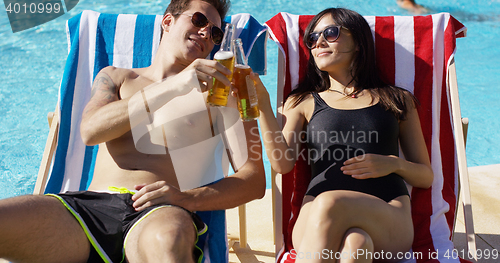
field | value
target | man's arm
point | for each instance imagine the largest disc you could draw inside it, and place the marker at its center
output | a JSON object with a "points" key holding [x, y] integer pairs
{"points": [[244, 150], [105, 117], [247, 184]]}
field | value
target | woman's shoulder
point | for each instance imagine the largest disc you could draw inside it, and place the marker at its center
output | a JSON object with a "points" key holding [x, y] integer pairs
{"points": [[398, 100], [301, 107], [407, 96], [298, 101], [397, 92]]}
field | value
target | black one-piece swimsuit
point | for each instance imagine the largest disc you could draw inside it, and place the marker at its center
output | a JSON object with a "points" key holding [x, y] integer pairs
{"points": [[335, 135]]}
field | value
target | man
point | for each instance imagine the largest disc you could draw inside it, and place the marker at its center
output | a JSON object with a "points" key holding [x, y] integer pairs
{"points": [[156, 221]]}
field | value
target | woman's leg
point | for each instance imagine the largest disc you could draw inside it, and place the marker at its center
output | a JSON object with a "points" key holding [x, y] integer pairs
{"points": [[324, 221], [356, 241]]}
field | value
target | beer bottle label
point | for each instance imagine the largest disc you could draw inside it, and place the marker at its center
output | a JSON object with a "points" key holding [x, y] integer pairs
{"points": [[252, 93]]}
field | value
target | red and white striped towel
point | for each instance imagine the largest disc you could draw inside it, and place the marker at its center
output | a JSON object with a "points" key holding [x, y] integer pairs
{"points": [[413, 52]]}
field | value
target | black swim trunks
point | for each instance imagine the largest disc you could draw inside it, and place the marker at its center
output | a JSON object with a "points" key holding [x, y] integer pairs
{"points": [[107, 218]]}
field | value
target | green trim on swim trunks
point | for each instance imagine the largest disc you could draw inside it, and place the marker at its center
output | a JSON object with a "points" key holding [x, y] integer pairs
{"points": [[89, 235], [121, 190], [204, 230]]}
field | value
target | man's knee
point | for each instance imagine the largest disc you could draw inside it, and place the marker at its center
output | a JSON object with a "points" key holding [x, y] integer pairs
{"points": [[172, 223], [177, 237], [167, 231]]}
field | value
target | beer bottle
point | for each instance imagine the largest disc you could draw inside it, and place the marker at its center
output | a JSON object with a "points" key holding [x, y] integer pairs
{"points": [[217, 95], [248, 105]]}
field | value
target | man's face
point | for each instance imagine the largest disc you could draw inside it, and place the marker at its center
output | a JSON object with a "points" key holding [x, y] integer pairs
{"points": [[193, 42]]}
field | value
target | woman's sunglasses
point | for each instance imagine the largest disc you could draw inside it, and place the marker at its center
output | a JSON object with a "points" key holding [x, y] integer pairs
{"points": [[200, 20], [331, 34]]}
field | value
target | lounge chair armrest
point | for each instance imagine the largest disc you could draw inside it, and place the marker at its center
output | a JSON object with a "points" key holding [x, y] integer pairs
{"points": [[50, 117], [465, 126], [48, 153]]}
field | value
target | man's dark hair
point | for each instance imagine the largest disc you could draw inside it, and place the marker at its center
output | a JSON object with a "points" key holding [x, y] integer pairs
{"points": [[177, 7]]}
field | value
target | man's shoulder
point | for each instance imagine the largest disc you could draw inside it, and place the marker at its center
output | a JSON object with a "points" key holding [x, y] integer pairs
{"points": [[119, 75]]}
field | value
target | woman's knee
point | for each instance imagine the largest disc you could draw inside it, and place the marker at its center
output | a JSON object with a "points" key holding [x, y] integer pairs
{"points": [[356, 246], [330, 205], [356, 239]]}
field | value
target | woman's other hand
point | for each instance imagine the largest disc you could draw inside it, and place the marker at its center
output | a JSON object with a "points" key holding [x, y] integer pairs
{"points": [[370, 166]]}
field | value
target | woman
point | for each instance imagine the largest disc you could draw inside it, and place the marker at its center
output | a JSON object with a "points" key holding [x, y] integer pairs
{"points": [[357, 198]]}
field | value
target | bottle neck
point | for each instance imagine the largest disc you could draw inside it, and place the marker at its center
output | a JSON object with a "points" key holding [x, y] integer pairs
{"points": [[228, 37]]}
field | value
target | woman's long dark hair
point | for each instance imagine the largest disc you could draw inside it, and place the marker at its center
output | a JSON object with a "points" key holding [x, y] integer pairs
{"points": [[363, 71]]}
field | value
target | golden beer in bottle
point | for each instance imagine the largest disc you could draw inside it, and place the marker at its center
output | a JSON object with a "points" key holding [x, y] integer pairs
{"points": [[217, 95], [248, 105]]}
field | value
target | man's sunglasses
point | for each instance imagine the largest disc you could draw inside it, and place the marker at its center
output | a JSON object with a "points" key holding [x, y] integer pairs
{"points": [[200, 20], [331, 34]]}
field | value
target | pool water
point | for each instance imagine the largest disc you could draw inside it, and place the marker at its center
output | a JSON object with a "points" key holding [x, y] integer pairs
{"points": [[32, 63]]}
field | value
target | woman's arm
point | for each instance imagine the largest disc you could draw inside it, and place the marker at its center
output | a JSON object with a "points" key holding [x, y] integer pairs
{"points": [[282, 146], [416, 169]]}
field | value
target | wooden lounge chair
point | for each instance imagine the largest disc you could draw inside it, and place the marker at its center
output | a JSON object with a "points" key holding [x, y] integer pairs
{"points": [[415, 53], [67, 164]]}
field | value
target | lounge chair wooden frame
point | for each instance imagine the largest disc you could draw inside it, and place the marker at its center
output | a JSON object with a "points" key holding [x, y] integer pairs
{"points": [[460, 127], [47, 160]]}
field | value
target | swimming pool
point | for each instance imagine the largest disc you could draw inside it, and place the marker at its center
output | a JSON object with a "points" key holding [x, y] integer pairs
{"points": [[32, 64]]}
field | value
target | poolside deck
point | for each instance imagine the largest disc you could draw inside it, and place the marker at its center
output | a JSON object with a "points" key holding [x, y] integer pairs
{"points": [[484, 184]]}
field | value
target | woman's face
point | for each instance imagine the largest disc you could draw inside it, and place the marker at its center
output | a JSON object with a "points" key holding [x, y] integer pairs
{"points": [[337, 55]]}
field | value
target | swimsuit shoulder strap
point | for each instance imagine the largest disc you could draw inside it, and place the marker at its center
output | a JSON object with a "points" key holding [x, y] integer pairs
{"points": [[318, 101]]}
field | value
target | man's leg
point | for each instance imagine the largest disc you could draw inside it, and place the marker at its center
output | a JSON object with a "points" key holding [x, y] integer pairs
{"points": [[166, 235], [40, 229]]}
